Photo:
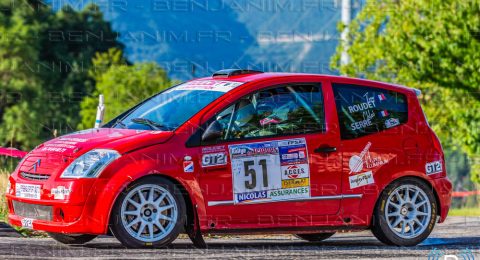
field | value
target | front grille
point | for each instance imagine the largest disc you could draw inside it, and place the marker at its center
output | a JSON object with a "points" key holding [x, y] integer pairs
{"points": [[34, 176], [32, 211]]}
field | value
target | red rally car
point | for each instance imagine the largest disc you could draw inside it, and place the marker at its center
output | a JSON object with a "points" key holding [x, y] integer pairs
{"points": [[242, 152]]}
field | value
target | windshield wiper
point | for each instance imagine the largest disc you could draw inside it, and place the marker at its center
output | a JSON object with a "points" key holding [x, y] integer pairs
{"points": [[152, 124]]}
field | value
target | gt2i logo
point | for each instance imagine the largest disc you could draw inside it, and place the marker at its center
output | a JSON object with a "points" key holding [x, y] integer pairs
{"points": [[433, 167], [214, 159]]}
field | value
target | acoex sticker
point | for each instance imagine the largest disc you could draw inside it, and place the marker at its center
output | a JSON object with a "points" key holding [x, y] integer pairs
{"points": [[433, 167]]}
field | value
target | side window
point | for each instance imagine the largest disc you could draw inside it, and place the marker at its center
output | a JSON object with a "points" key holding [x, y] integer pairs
{"points": [[366, 110], [276, 111]]}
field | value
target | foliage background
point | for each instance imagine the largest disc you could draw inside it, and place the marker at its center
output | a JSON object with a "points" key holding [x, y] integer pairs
{"points": [[432, 45], [54, 63]]}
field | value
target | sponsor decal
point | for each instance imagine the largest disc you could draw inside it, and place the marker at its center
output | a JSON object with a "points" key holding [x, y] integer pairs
{"points": [[251, 196], [273, 170], [293, 193], [294, 171], [356, 161], [365, 160], [28, 191], [253, 150], [60, 192], [212, 85], [381, 97], [362, 106], [214, 159], [188, 166], [214, 155], [389, 123], [361, 124], [53, 149], [433, 167], [27, 223], [361, 179], [294, 154], [293, 183]]}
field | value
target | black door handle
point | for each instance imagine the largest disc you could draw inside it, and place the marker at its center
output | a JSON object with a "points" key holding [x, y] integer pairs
{"points": [[325, 149]]}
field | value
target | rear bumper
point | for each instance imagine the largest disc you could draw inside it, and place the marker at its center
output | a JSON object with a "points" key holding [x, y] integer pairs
{"points": [[443, 188]]}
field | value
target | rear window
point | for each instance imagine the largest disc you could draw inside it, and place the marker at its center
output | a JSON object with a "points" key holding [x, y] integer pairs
{"points": [[367, 110]]}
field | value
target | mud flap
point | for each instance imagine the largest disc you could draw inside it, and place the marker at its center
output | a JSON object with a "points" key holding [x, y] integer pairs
{"points": [[193, 231]]}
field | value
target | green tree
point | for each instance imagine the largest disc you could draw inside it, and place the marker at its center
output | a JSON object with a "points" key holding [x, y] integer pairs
{"points": [[433, 45], [122, 84], [45, 57]]}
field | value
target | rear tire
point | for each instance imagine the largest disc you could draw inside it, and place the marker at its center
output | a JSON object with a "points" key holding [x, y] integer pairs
{"points": [[315, 237], [149, 213], [405, 213], [72, 239]]}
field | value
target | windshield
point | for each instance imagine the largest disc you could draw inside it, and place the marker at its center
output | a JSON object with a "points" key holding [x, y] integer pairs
{"points": [[170, 109]]}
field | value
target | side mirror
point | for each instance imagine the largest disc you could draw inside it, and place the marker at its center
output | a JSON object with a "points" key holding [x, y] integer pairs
{"points": [[213, 132]]}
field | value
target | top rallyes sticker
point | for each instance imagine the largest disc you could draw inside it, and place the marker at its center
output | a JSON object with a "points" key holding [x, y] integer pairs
{"points": [[212, 85]]}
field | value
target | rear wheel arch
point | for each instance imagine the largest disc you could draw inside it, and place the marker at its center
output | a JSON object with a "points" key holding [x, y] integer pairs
{"points": [[382, 227], [423, 180]]}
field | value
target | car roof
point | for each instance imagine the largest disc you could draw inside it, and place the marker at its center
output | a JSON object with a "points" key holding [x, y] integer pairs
{"points": [[256, 77]]}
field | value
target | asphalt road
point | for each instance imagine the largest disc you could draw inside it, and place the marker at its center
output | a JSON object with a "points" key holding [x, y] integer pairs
{"points": [[459, 235]]}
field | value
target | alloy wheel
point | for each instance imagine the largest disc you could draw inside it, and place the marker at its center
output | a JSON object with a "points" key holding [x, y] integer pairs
{"points": [[408, 211], [149, 212]]}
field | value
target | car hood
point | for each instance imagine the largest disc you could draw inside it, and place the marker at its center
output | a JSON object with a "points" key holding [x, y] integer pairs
{"points": [[121, 140]]}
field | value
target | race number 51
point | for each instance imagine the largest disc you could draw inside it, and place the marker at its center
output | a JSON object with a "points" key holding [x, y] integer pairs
{"points": [[251, 174]]}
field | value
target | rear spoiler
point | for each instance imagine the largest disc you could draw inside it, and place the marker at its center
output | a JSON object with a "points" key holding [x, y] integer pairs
{"points": [[418, 92], [12, 152]]}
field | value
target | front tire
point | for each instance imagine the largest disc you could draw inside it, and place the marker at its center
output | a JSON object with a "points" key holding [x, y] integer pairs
{"points": [[72, 239], [318, 237], [149, 213], [405, 213]]}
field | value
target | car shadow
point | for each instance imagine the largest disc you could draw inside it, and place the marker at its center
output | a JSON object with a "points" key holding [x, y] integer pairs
{"points": [[283, 244]]}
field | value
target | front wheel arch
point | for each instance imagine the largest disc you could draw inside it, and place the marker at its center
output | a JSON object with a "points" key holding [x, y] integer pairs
{"points": [[185, 194], [124, 235]]}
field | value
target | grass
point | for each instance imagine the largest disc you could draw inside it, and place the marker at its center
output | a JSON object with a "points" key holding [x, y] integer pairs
{"points": [[465, 212], [3, 187]]}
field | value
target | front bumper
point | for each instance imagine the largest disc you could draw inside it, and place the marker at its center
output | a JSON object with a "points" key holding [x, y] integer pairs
{"points": [[74, 214]]}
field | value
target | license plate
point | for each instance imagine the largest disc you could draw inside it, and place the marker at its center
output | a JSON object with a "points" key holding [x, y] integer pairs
{"points": [[28, 191], [27, 223]]}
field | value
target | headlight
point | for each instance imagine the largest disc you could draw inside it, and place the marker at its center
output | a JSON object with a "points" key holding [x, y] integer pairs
{"points": [[91, 164]]}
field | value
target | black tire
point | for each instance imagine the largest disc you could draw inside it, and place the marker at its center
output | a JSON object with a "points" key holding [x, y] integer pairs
{"points": [[380, 225], [317, 237], [72, 239], [129, 241]]}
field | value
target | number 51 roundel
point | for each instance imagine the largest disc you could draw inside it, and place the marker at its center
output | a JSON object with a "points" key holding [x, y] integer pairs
{"points": [[270, 171]]}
